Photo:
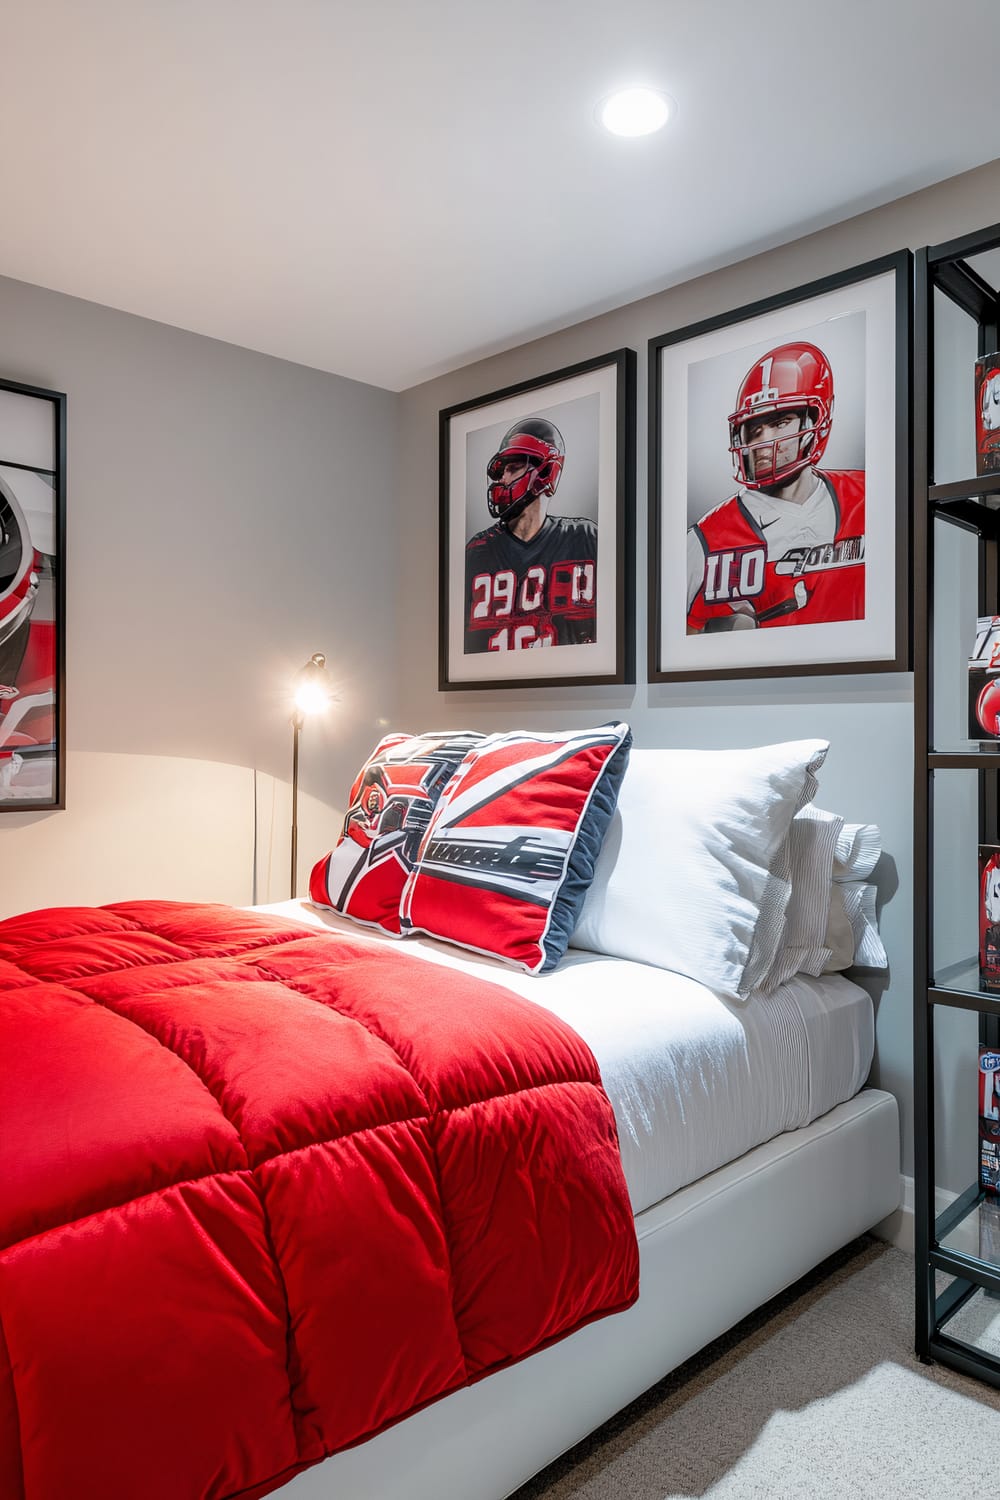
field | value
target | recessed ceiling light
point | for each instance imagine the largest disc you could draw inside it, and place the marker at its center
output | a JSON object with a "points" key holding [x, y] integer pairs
{"points": [[635, 111]]}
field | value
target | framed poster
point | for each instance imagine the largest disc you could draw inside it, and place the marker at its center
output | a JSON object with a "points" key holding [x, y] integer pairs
{"points": [[536, 538], [779, 483], [32, 597]]}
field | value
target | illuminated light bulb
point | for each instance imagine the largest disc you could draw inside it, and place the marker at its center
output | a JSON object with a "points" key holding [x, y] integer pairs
{"points": [[633, 112]]}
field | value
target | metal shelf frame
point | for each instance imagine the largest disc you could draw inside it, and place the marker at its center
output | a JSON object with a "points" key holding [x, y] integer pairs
{"points": [[973, 504]]}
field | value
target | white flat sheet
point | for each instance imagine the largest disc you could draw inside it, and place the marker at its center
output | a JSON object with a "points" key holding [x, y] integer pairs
{"points": [[695, 1081]]}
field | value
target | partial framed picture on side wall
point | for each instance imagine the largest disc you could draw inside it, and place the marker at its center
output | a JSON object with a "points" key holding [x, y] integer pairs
{"points": [[32, 597], [537, 531], [779, 483]]}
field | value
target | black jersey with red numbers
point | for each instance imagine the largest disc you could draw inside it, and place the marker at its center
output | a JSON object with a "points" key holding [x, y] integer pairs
{"points": [[779, 562], [538, 593]]}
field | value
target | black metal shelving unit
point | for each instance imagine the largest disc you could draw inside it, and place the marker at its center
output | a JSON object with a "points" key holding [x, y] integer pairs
{"points": [[955, 1260]]}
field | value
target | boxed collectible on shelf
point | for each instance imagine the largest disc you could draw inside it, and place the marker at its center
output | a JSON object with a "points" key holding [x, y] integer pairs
{"points": [[989, 981], [984, 680], [988, 414], [989, 918], [989, 1120], [989, 1230]]}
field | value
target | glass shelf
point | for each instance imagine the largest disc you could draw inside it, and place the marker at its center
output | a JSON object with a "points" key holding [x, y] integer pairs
{"points": [[958, 984], [976, 1234], [963, 745], [963, 976], [974, 755], [966, 1258], [976, 1323], [983, 490]]}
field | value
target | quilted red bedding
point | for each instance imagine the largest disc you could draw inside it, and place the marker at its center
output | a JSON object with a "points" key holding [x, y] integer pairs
{"points": [[260, 1198]]}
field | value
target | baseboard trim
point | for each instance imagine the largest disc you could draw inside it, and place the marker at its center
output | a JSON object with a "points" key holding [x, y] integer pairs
{"points": [[897, 1227]]}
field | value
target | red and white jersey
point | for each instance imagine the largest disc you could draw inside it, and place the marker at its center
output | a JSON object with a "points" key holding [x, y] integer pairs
{"points": [[783, 562], [542, 592]]}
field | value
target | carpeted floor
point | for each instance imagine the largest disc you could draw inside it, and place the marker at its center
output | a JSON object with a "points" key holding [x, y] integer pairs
{"points": [[817, 1395]]}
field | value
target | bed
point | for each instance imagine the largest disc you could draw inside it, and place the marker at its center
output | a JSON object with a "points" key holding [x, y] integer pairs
{"points": [[783, 1158], [714, 1136]]}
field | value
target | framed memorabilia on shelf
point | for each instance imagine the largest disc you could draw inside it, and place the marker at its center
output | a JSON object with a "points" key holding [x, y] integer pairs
{"points": [[32, 597], [536, 531], [984, 681], [988, 414], [779, 483]]}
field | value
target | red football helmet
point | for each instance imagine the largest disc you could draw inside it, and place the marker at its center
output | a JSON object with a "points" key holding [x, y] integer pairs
{"points": [[791, 378], [19, 566], [539, 443], [988, 707]]}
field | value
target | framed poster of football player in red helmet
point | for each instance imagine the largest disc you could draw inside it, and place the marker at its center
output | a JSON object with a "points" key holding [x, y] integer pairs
{"points": [[32, 597], [779, 480], [536, 543]]}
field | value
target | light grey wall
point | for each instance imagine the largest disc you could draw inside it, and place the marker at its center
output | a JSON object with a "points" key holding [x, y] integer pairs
{"points": [[228, 514], [868, 719]]}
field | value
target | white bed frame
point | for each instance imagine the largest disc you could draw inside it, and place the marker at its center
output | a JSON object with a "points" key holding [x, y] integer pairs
{"points": [[709, 1255]]}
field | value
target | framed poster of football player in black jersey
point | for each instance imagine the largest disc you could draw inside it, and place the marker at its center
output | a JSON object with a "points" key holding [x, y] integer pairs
{"points": [[779, 480], [536, 542], [32, 597]]}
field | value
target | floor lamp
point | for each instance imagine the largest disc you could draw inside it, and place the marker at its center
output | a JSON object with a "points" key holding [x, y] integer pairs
{"points": [[313, 691]]}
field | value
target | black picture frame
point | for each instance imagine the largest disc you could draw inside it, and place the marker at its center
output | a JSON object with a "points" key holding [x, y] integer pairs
{"points": [[32, 598], [861, 621], [554, 594]]}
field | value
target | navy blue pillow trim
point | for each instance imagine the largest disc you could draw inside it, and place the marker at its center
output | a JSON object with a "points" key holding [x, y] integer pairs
{"points": [[583, 860]]}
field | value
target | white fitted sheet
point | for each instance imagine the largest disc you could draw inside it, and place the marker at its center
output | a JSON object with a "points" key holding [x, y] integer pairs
{"points": [[695, 1080]]}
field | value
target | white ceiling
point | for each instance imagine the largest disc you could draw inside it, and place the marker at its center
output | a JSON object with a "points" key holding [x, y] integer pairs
{"points": [[388, 189]]}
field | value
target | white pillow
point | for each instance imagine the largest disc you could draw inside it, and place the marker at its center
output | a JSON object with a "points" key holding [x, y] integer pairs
{"points": [[839, 934], [858, 850], [859, 904], [811, 844], [687, 860], [765, 944], [825, 857]]}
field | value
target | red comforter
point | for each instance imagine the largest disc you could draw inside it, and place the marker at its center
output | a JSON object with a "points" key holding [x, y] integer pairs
{"points": [[262, 1194]]}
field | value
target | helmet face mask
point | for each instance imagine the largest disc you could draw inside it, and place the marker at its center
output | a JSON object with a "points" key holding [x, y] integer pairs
{"points": [[527, 465], [791, 380], [777, 458]]}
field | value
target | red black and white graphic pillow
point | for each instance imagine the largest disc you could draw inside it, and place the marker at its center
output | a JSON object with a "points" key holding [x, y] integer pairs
{"points": [[509, 853], [391, 803]]}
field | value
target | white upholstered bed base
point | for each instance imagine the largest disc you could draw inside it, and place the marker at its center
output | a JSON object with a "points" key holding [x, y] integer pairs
{"points": [[709, 1255]]}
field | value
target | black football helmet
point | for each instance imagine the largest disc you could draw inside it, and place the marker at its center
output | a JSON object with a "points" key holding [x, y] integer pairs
{"points": [[539, 444]]}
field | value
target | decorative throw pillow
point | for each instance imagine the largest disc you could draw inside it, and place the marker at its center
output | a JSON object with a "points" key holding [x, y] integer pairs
{"points": [[687, 859], [506, 861], [391, 803]]}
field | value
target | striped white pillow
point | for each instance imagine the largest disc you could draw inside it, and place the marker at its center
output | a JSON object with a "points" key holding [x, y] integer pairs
{"points": [[859, 904], [812, 845], [858, 849], [839, 933], [828, 922]]}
